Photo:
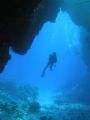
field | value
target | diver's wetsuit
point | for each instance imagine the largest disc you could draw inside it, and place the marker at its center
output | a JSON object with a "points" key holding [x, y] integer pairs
{"points": [[52, 60]]}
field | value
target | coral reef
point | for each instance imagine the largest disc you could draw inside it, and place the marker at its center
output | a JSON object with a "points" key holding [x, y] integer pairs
{"points": [[22, 109], [34, 107]]}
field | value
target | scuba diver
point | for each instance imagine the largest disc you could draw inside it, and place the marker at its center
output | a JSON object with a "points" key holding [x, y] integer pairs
{"points": [[51, 62]]}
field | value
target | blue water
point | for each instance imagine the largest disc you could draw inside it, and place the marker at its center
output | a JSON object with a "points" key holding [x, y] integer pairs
{"points": [[67, 83], [61, 37]]}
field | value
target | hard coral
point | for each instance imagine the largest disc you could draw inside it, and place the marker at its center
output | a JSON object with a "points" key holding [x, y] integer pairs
{"points": [[34, 107]]}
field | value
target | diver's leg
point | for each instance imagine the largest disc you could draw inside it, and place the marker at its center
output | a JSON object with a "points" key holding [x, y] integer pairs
{"points": [[50, 67], [43, 72]]}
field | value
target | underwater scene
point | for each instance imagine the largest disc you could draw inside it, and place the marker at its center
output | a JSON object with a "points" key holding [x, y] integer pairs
{"points": [[51, 81]]}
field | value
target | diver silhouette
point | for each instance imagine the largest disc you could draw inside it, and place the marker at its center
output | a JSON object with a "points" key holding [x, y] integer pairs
{"points": [[51, 62]]}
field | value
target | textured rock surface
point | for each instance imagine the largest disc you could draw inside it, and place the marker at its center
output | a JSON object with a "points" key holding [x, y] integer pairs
{"points": [[79, 11]]}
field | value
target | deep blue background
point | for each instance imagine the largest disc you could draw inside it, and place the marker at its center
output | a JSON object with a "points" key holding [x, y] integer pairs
{"points": [[62, 37]]}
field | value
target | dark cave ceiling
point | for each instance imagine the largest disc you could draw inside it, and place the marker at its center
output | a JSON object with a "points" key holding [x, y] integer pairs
{"points": [[16, 16]]}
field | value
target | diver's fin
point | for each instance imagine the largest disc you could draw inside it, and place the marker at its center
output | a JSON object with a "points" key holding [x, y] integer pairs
{"points": [[43, 73]]}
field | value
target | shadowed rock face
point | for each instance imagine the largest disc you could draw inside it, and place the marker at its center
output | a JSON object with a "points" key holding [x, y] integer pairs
{"points": [[15, 17], [20, 22], [79, 11]]}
